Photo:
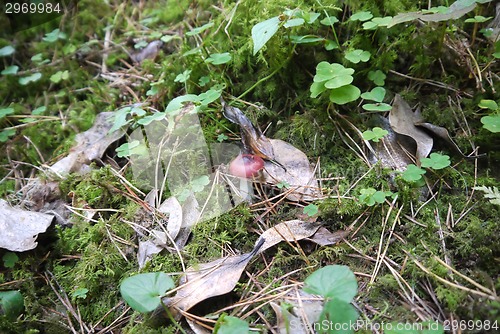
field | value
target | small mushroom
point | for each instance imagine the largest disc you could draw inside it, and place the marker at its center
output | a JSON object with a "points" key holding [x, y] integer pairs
{"points": [[246, 165]]}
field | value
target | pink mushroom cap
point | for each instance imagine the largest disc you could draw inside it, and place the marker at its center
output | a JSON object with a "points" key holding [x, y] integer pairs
{"points": [[246, 165]]}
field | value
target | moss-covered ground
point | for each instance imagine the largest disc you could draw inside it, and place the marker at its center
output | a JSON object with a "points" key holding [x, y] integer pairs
{"points": [[431, 254]]}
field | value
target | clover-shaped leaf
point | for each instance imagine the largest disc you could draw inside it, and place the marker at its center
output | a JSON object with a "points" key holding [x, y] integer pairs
{"points": [[478, 19], [30, 78], [436, 161], [371, 196], [311, 210], [328, 21], [5, 112], [377, 94], [378, 77], [488, 104], [375, 134], [355, 56], [199, 30], [345, 94], [326, 71], [9, 70], [199, 183], [413, 173], [183, 77], [377, 107], [361, 16], [7, 51], [219, 58], [491, 123]]}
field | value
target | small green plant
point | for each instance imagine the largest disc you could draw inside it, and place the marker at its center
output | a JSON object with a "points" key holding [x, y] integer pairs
{"points": [[436, 161], [491, 193], [338, 285], [227, 325], [11, 303], [371, 196], [9, 259], [311, 210], [375, 134], [413, 173], [80, 293], [143, 292], [491, 122], [337, 79], [377, 94]]}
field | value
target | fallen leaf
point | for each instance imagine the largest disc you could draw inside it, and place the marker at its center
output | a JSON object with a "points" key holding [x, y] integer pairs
{"points": [[20, 228], [295, 171], [402, 120], [324, 237], [149, 52], [173, 208], [291, 230], [90, 146], [221, 276]]}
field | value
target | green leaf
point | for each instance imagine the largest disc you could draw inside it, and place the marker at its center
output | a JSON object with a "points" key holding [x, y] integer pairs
{"points": [[132, 148], [329, 21], [377, 22], [355, 56], [199, 183], [339, 315], [7, 51], [5, 112], [326, 71], [157, 116], [54, 35], [332, 281], [183, 77], [436, 161], [178, 102], [478, 19], [331, 45], [375, 134], [140, 45], [39, 110], [219, 58], [305, 39], [59, 76], [413, 173], [203, 81], [9, 259], [345, 94], [378, 77], [311, 210], [143, 292], [153, 91], [491, 123], [199, 30], [317, 88], [377, 94], [11, 303], [10, 70], [80, 293], [221, 137], [30, 78], [309, 17], [295, 22], [209, 96], [6, 134], [488, 104], [263, 31], [230, 325], [377, 107], [339, 81], [361, 16]]}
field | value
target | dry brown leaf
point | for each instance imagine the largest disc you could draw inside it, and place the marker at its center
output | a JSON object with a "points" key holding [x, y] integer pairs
{"points": [[149, 52], [208, 280], [291, 230], [90, 146], [221, 276], [296, 171], [324, 237], [403, 120], [20, 228], [173, 208]]}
